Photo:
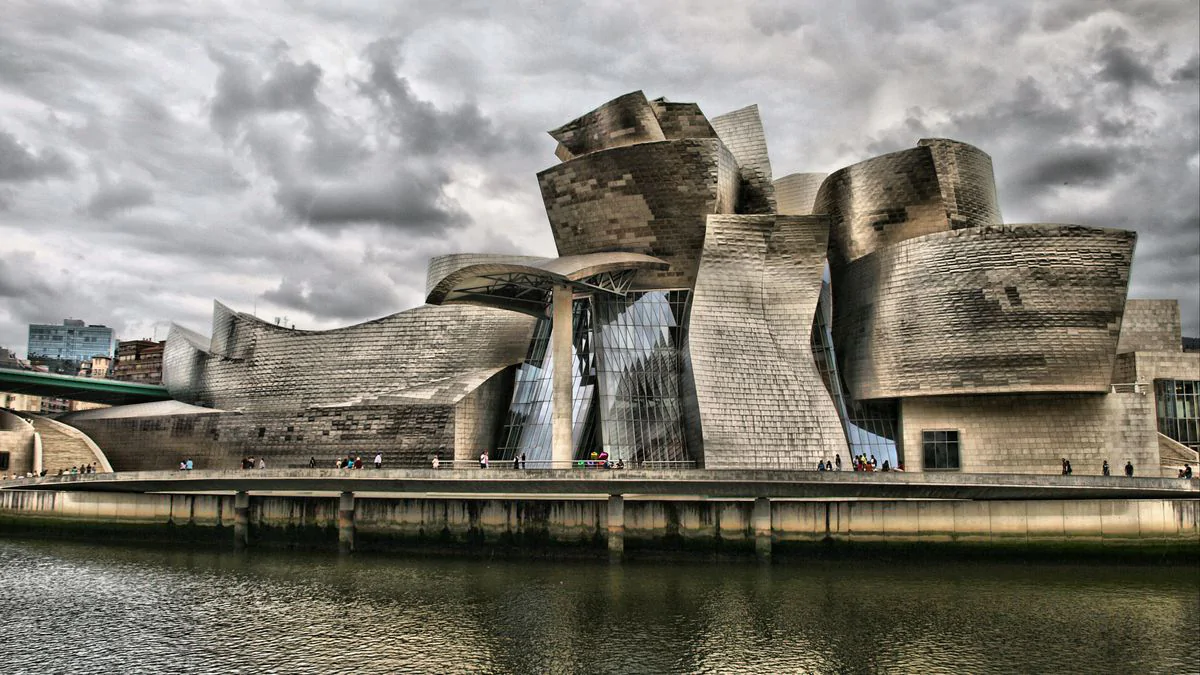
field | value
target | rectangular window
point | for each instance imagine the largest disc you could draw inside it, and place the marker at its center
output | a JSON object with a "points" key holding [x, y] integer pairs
{"points": [[940, 450], [3, 461]]}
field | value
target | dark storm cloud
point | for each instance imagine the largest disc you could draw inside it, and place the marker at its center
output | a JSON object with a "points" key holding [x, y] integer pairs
{"points": [[1120, 64], [423, 128], [111, 199], [412, 200], [1188, 72], [20, 163], [1075, 166]]}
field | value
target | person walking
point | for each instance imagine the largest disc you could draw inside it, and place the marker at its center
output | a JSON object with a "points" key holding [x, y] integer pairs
{"points": [[262, 463], [312, 462], [483, 460], [379, 460], [837, 462], [1106, 470], [436, 462], [1129, 469], [522, 460], [189, 464]]}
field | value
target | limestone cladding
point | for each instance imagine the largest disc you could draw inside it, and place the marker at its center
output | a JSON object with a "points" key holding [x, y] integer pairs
{"points": [[939, 185], [649, 198], [796, 192], [625, 120], [759, 396], [258, 366], [1005, 308], [16, 439], [1151, 326], [742, 132], [406, 434], [1032, 433], [1150, 366]]}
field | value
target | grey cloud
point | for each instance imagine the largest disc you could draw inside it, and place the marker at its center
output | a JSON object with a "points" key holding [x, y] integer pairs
{"points": [[413, 201], [1078, 166], [18, 163], [111, 199], [240, 92], [1188, 72], [1120, 64], [343, 294], [773, 17], [423, 127]]}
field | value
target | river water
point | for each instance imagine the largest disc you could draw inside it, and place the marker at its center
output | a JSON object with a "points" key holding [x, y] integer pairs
{"points": [[105, 609]]}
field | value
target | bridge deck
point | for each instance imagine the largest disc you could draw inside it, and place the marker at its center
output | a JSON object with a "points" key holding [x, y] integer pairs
{"points": [[725, 484]]}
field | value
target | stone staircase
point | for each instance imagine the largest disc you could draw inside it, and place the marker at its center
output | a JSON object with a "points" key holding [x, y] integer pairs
{"points": [[64, 447]]}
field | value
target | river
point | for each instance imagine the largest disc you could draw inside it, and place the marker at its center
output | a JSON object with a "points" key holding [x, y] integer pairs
{"points": [[76, 608]]}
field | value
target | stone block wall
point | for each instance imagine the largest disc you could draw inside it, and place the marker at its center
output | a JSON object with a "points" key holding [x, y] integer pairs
{"points": [[1151, 326], [1032, 433], [16, 438], [796, 193], [742, 132]]}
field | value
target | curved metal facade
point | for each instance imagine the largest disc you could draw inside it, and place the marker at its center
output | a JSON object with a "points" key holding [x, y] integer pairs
{"points": [[649, 198], [1006, 308], [625, 120], [938, 186], [796, 192], [266, 367], [758, 395]]}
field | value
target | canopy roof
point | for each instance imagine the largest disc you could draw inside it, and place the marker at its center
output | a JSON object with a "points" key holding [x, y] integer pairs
{"points": [[527, 287]]}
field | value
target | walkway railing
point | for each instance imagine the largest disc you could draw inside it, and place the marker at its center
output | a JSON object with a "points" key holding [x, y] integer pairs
{"points": [[529, 464]]}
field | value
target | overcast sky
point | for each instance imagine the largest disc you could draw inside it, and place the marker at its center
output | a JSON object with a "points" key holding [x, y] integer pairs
{"points": [[305, 159]]}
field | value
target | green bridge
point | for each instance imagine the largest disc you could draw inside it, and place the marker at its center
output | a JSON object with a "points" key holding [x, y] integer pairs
{"points": [[74, 388]]}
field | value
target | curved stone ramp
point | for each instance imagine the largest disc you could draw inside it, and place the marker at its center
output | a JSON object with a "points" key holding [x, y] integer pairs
{"points": [[64, 447]]}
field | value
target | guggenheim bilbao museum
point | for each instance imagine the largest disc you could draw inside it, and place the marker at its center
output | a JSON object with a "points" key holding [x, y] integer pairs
{"points": [[702, 313]]}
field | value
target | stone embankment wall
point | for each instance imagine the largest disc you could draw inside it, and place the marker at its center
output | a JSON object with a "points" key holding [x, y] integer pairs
{"points": [[583, 527], [16, 439]]}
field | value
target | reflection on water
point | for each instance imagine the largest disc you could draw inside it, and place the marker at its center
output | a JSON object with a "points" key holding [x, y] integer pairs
{"points": [[75, 608]]}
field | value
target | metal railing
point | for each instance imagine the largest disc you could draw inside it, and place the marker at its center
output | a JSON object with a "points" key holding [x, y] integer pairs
{"points": [[1129, 388], [507, 464]]}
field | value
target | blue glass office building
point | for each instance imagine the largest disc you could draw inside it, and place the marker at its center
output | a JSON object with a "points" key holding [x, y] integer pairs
{"points": [[72, 341]]}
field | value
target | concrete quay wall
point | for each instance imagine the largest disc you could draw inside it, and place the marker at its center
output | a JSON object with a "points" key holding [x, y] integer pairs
{"points": [[590, 527]]}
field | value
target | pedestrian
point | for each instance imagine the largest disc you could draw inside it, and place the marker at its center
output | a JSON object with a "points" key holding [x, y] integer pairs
{"points": [[1129, 469], [358, 462], [1105, 469], [483, 460], [312, 462], [516, 463], [436, 461], [886, 465], [820, 465], [182, 465], [190, 465], [262, 463], [1187, 470], [837, 462], [522, 460], [1064, 466], [379, 460]]}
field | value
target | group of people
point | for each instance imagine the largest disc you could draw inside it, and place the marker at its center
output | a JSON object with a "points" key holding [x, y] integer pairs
{"points": [[249, 463], [1186, 471], [186, 464], [73, 471], [356, 462], [861, 463]]}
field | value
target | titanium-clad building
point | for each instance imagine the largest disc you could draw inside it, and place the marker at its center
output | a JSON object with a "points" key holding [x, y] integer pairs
{"points": [[702, 313]]}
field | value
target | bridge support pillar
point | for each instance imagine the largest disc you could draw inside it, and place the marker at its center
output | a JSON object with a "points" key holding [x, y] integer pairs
{"points": [[241, 520], [346, 522], [561, 340], [762, 529], [616, 528]]}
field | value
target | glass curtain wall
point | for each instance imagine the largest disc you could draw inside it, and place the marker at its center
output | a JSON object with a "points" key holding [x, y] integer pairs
{"points": [[640, 372], [527, 426], [627, 377], [1178, 403], [870, 426]]}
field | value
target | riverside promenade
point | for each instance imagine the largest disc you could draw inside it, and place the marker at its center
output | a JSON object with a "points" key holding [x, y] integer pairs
{"points": [[591, 511]]}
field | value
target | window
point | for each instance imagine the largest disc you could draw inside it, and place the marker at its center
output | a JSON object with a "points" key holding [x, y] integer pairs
{"points": [[1178, 404], [3, 461], [940, 450]]}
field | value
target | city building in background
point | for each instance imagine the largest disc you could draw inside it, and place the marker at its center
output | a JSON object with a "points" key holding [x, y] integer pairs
{"points": [[138, 361], [702, 313], [61, 348]]}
